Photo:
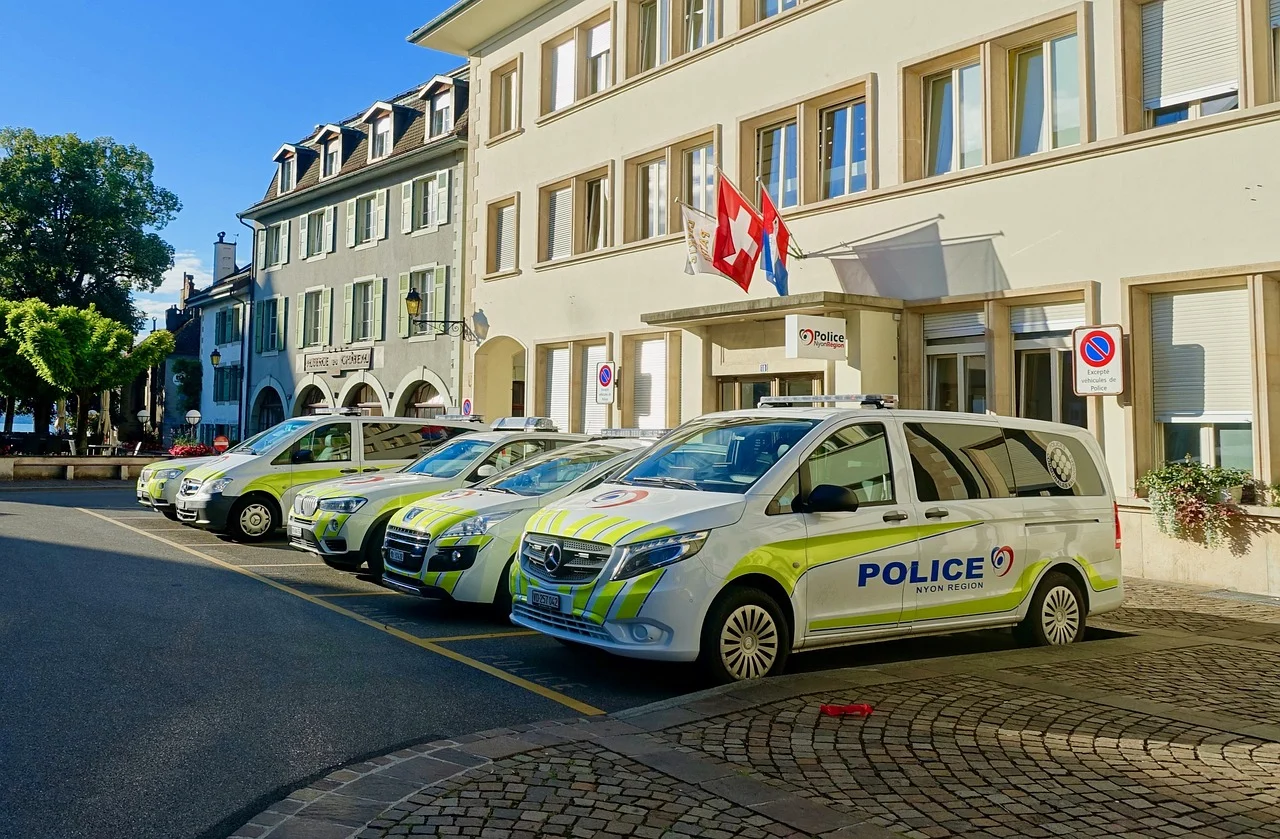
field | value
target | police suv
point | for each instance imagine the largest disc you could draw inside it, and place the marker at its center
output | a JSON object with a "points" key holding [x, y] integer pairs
{"points": [[746, 535]]}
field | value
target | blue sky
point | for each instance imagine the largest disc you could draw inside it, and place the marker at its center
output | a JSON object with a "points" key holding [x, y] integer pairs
{"points": [[209, 90]]}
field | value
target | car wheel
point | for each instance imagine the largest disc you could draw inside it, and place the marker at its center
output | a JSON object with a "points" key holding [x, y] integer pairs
{"points": [[745, 637], [372, 548], [1056, 616], [502, 595], [171, 513], [252, 519]]}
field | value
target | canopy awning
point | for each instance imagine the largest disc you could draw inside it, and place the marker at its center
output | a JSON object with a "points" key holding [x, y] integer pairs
{"points": [[772, 308]]}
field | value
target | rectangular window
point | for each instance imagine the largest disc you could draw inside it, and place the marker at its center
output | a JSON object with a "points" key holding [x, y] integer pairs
{"points": [[1046, 96], [426, 197], [700, 178], [1037, 465], [769, 8], [442, 114], [699, 24], [382, 137], [315, 233], [778, 164], [559, 217], [286, 174], [332, 157], [654, 35], [599, 46], [502, 253], [844, 149], [955, 350], [226, 384], [563, 74], [651, 193], [956, 462], [270, 313], [312, 332], [507, 118], [362, 311], [955, 120], [275, 240], [597, 214], [856, 458], [1191, 57], [429, 284], [366, 212]]}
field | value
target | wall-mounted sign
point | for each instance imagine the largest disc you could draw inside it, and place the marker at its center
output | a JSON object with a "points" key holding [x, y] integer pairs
{"points": [[1098, 359], [809, 336], [338, 361], [466, 407], [606, 382]]}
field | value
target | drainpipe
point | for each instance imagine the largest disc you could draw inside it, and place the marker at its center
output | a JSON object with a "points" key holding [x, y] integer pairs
{"points": [[246, 359]]}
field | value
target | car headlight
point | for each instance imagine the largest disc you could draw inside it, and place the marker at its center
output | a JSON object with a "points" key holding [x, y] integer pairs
{"points": [[476, 525], [217, 485], [168, 474], [658, 553], [343, 505]]}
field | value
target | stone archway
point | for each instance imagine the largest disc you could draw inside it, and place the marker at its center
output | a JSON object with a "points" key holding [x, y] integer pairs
{"points": [[311, 401], [422, 400], [268, 410], [500, 371], [365, 398]]}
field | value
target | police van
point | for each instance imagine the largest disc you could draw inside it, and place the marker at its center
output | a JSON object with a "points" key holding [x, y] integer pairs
{"points": [[343, 521], [158, 483], [245, 491], [744, 536], [460, 545]]}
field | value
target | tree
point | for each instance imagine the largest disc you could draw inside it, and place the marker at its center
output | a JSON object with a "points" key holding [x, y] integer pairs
{"points": [[82, 352], [18, 378], [78, 221]]}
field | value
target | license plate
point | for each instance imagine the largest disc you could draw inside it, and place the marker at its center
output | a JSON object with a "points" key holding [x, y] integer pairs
{"points": [[396, 556], [295, 531], [542, 600]]}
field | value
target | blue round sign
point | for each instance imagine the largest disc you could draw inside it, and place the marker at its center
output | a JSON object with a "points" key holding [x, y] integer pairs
{"points": [[466, 407], [1097, 349], [606, 376]]}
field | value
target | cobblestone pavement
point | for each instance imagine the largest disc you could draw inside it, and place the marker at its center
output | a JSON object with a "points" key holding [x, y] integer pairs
{"points": [[1170, 729]]}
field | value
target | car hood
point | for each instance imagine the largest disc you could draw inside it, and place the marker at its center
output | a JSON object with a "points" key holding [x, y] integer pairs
{"points": [[183, 463], [373, 487], [216, 467], [614, 514], [438, 514]]}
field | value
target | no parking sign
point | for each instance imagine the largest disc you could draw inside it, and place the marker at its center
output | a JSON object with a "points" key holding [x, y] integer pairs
{"points": [[606, 381], [1098, 359]]}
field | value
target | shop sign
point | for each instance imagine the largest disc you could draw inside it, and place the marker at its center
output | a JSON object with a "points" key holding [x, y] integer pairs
{"points": [[1098, 358], [338, 361], [809, 336], [606, 380]]}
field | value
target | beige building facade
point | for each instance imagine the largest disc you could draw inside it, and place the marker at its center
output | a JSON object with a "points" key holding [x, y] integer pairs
{"points": [[969, 181]]}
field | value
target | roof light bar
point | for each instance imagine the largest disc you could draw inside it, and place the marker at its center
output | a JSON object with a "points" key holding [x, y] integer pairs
{"points": [[866, 400], [460, 417], [631, 433], [525, 424]]}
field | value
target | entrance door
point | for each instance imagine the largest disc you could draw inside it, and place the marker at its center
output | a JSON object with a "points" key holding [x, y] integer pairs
{"points": [[746, 392], [858, 563]]}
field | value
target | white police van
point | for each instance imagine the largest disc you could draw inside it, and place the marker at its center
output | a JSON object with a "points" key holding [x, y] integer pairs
{"points": [[746, 535]]}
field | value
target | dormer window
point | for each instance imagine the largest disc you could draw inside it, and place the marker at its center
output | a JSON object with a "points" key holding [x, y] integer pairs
{"points": [[381, 137], [332, 158], [442, 113], [288, 175]]}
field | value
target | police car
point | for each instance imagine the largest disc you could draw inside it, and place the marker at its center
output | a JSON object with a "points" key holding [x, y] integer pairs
{"points": [[158, 483], [344, 521], [245, 491], [461, 544], [746, 535]]}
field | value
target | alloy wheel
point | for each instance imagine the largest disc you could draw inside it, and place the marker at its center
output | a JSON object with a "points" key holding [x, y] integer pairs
{"points": [[749, 642], [1060, 616]]}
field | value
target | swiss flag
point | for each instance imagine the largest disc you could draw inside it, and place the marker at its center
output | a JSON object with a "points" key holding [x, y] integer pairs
{"points": [[738, 231]]}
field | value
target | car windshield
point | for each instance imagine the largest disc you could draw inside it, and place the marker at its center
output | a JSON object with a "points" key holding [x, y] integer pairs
{"points": [[450, 459], [264, 441], [727, 454], [547, 473]]}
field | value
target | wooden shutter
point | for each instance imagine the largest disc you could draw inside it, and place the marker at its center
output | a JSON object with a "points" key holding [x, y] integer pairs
{"points": [[351, 223], [282, 323], [406, 207], [330, 225], [348, 313], [557, 386], [955, 325], [560, 223], [1057, 317], [257, 326], [380, 223], [505, 238], [303, 234], [440, 295], [649, 383], [326, 316], [402, 316], [262, 249], [284, 242], [300, 327], [593, 415], [1190, 50], [442, 197], [379, 313], [1200, 356]]}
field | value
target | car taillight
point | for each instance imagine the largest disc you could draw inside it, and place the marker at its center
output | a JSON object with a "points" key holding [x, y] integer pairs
{"points": [[1117, 509]]}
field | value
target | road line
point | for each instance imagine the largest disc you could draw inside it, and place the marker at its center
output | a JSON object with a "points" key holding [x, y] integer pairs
{"points": [[287, 565], [532, 687], [516, 633], [358, 594]]}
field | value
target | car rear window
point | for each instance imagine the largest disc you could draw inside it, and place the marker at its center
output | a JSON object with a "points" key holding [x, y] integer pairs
{"points": [[1047, 465]]}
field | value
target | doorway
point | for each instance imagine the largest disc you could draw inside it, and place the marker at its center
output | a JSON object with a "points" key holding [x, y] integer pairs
{"points": [[741, 392]]}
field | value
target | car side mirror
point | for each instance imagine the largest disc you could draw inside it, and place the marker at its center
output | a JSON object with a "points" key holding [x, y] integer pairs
{"points": [[828, 498], [485, 471], [303, 456]]}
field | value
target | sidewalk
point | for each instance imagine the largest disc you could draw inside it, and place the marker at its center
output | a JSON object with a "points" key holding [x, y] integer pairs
{"points": [[1173, 730]]}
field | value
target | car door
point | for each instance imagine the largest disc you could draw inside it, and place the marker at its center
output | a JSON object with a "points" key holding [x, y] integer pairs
{"points": [[322, 453], [857, 563], [972, 536]]}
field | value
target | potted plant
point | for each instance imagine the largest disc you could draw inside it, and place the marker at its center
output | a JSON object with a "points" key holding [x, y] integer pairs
{"points": [[1192, 501]]}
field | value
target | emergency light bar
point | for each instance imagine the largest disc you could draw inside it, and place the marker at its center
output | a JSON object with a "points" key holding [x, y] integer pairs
{"points": [[866, 400], [460, 417], [631, 434], [525, 424]]}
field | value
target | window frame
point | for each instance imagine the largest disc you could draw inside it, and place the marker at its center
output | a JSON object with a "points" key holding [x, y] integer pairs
{"points": [[287, 163], [888, 430], [577, 184], [319, 236], [330, 151], [384, 120], [493, 213], [423, 187], [356, 285], [580, 36], [1049, 73], [670, 23], [962, 350], [752, 12], [318, 323], [370, 220], [275, 234], [514, 69], [447, 117]]}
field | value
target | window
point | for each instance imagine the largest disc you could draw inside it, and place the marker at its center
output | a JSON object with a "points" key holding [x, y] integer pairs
{"points": [[269, 327], [332, 158], [365, 217], [312, 323], [597, 214], [1043, 380], [287, 174], [599, 57], [779, 163], [740, 393], [559, 216], [699, 24], [503, 232], [576, 215], [431, 285], [362, 311], [315, 234], [653, 34], [660, 180], [227, 326], [430, 199], [393, 441], [651, 193], [226, 383], [1047, 465], [955, 120], [381, 143], [578, 63], [769, 8], [700, 178], [328, 443], [563, 73], [1046, 95], [1191, 57], [955, 349], [959, 462], [844, 149], [275, 244], [506, 100], [856, 458], [441, 114]]}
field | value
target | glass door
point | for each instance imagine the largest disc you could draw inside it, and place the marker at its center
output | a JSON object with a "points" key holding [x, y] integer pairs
{"points": [[739, 393]]}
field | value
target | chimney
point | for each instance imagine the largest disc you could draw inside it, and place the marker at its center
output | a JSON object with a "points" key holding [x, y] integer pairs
{"points": [[224, 258], [188, 289]]}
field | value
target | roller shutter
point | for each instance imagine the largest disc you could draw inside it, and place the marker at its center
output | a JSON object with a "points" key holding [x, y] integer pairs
{"points": [[1201, 362]]}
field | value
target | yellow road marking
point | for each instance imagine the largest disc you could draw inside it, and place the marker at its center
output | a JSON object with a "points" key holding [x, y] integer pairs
{"points": [[515, 633], [358, 594], [430, 646]]}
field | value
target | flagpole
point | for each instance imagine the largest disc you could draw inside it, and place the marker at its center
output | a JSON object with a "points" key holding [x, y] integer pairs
{"points": [[793, 247]]}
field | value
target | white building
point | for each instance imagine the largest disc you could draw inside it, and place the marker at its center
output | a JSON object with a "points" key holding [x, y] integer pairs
{"points": [[223, 324]]}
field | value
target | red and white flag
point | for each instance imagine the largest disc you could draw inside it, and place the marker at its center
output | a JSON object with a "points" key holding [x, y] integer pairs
{"points": [[738, 231]]}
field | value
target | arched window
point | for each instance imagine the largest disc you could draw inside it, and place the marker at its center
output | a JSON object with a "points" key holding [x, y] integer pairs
{"points": [[425, 402], [364, 398]]}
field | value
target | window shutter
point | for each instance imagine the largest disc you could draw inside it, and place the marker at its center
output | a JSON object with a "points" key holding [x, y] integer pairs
{"points": [[649, 384], [1200, 356], [442, 196], [384, 197], [257, 327], [330, 242], [439, 298], [955, 325], [563, 74], [1190, 50], [402, 314], [282, 323], [406, 207], [1058, 317], [505, 259], [326, 318], [560, 223], [303, 229], [301, 325], [379, 312], [557, 386], [351, 223], [284, 242], [348, 315], [1275, 13], [262, 249], [593, 414]]}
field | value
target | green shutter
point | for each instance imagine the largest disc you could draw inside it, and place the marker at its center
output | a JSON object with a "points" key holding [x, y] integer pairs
{"points": [[402, 314], [300, 326], [348, 315], [379, 314], [326, 316], [282, 323], [257, 327], [439, 306]]}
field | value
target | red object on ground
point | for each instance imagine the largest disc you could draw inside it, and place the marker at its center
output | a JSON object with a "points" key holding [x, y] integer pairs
{"points": [[846, 710]]}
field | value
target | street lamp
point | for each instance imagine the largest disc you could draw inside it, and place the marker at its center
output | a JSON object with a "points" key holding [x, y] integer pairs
{"points": [[144, 417], [413, 307], [215, 357], [193, 418]]}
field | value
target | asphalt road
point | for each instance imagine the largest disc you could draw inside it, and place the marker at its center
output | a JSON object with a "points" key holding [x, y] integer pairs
{"points": [[147, 689]]}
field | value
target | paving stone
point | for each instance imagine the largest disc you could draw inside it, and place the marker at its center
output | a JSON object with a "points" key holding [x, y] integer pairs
{"points": [[381, 787], [423, 770], [299, 828], [343, 809]]}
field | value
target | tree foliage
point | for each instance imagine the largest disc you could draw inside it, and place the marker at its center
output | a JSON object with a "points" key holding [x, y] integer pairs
{"points": [[78, 221], [17, 375]]}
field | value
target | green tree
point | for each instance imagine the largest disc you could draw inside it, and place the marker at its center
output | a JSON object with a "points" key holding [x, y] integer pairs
{"points": [[82, 352], [18, 378], [78, 221]]}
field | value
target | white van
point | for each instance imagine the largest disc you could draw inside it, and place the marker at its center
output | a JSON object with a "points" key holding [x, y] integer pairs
{"points": [[245, 491], [743, 536]]}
